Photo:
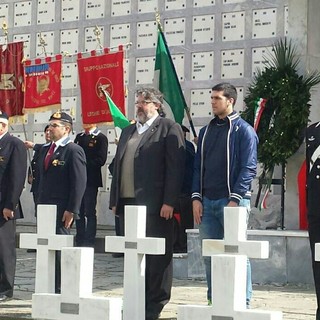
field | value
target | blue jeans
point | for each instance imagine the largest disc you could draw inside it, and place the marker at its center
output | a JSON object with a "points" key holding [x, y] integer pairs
{"points": [[212, 227]]}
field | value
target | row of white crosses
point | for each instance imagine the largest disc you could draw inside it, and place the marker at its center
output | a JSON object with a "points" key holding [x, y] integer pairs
{"points": [[76, 300]]}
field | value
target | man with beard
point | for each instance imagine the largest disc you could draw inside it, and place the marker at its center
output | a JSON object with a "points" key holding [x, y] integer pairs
{"points": [[148, 170]]}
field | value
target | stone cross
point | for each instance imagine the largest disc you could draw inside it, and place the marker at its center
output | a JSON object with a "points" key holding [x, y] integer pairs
{"points": [[46, 242], [76, 300], [135, 246], [229, 269], [235, 237]]}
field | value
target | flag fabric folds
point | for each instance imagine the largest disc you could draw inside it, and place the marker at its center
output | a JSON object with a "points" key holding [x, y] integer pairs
{"points": [[11, 79], [119, 119], [42, 84], [166, 79], [98, 72]]}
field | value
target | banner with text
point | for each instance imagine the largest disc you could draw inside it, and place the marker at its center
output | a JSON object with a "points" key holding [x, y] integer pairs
{"points": [[100, 72]]}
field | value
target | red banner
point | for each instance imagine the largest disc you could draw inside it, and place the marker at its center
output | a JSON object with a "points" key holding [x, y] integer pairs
{"points": [[11, 78], [42, 84], [104, 71]]}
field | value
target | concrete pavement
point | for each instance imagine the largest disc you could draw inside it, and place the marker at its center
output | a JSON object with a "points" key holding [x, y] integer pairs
{"points": [[296, 302]]}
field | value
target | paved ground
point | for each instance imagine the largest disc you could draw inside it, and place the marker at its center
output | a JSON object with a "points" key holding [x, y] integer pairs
{"points": [[296, 302]]}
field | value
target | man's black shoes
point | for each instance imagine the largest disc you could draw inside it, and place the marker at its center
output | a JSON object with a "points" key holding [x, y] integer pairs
{"points": [[4, 298]]}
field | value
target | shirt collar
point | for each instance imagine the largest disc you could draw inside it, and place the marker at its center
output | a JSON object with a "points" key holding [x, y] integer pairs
{"points": [[141, 128]]}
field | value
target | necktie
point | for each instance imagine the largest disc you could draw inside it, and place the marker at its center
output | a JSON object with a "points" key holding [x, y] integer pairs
{"points": [[49, 155]]}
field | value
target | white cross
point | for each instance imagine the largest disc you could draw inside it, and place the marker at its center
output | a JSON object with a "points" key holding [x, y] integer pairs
{"points": [[229, 269], [76, 300], [135, 246], [46, 242]]}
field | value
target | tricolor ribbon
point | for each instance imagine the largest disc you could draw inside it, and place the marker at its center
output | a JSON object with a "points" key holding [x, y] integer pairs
{"points": [[259, 108]]}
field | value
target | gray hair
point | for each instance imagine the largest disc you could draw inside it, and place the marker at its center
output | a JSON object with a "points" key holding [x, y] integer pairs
{"points": [[154, 95]]}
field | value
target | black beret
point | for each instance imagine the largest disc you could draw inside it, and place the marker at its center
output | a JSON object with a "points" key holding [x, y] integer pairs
{"points": [[62, 116]]}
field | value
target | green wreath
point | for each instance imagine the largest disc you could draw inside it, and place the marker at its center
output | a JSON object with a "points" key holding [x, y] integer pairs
{"points": [[277, 105]]}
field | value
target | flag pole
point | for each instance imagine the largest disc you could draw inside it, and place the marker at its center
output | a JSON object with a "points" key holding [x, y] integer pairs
{"points": [[186, 108]]}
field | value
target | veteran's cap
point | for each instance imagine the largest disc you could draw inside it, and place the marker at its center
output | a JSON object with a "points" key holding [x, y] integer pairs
{"points": [[62, 116], [4, 117]]}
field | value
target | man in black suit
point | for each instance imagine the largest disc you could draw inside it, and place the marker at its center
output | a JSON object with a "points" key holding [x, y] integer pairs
{"points": [[62, 176], [148, 170], [95, 146], [13, 169]]}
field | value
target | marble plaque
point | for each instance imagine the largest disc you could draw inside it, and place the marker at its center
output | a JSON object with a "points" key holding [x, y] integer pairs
{"points": [[203, 3], [240, 103], [175, 31], [4, 12], [175, 4], [146, 34], [42, 117], [38, 137], [69, 76], [3, 40], [111, 136], [202, 65], [126, 72], [200, 105], [259, 55], [90, 40], [26, 43], [112, 148], [69, 105], [178, 61], [233, 26], [70, 10], [203, 29], [233, 1], [95, 9], [49, 43], [286, 18], [264, 23], [46, 11], [22, 13], [69, 41], [19, 135], [119, 34], [232, 64], [145, 6], [120, 8], [144, 70], [108, 180]]}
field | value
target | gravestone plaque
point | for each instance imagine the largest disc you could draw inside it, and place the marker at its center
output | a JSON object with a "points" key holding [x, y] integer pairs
{"points": [[26, 42], [48, 37], [120, 8], [22, 13], [286, 20], [145, 6], [19, 135], [200, 103], [90, 40], [144, 70], [264, 23], [69, 76], [146, 34], [38, 137], [203, 3], [4, 12], [174, 4], [46, 11], [69, 41], [232, 1], [95, 9], [108, 179], [69, 105], [112, 148], [239, 106], [175, 31], [233, 26], [119, 34], [178, 61], [232, 64], [70, 10], [202, 65], [203, 29], [258, 58], [42, 117]]}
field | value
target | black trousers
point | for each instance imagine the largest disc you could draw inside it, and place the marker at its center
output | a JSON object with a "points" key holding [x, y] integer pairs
{"points": [[314, 237], [7, 256], [159, 271], [87, 223]]}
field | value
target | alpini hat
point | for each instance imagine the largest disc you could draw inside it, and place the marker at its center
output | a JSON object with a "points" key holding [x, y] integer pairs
{"points": [[4, 117], [62, 116]]}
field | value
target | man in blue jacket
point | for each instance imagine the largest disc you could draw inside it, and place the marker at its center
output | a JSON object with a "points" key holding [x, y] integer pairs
{"points": [[225, 165]]}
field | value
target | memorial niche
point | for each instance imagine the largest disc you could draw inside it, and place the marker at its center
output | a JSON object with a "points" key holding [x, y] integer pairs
{"points": [[285, 113]]}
